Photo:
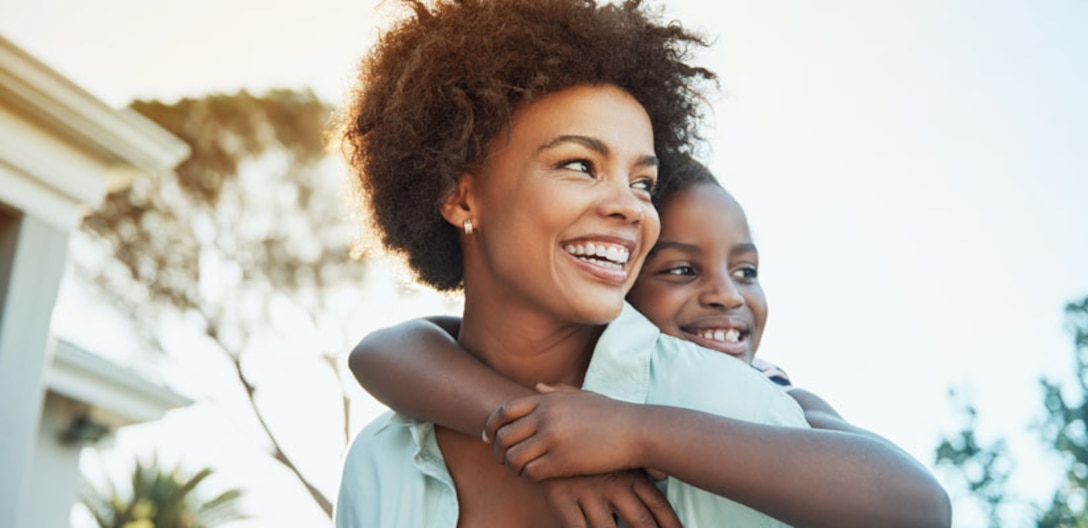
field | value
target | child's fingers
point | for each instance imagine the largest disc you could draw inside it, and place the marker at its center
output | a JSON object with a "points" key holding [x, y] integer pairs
{"points": [[511, 436], [527, 459], [597, 512], [633, 512], [569, 513], [658, 506], [506, 413]]}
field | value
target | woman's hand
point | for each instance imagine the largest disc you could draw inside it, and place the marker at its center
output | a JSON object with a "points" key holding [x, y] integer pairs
{"points": [[564, 431], [593, 500]]}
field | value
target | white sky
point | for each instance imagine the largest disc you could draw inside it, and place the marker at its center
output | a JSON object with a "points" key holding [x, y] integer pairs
{"points": [[916, 173]]}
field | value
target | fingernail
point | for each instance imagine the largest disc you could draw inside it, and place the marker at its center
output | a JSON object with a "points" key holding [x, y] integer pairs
{"points": [[483, 436]]}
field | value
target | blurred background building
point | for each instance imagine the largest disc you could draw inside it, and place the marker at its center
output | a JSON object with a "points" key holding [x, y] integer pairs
{"points": [[61, 149]]}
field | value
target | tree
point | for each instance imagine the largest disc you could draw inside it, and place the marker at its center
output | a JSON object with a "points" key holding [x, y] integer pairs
{"points": [[250, 227], [1066, 430], [985, 468], [160, 498]]}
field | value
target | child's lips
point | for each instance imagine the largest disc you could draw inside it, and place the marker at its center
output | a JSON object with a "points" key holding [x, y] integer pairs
{"points": [[730, 337], [737, 349]]}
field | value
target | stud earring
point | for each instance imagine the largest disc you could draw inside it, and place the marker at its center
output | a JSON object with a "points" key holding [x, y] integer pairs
{"points": [[468, 227]]}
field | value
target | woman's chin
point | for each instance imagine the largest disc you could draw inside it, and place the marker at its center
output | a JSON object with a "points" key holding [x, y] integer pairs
{"points": [[599, 313]]}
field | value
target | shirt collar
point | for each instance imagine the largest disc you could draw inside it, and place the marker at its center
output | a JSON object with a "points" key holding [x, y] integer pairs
{"points": [[620, 367]]}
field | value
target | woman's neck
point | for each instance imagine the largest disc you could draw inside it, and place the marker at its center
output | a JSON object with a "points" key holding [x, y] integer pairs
{"points": [[525, 346]]}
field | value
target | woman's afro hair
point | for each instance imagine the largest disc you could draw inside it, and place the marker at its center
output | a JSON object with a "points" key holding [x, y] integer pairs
{"points": [[446, 79]]}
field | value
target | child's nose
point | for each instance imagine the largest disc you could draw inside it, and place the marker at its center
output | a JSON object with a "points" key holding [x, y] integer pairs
{"points": [[721, 293]]}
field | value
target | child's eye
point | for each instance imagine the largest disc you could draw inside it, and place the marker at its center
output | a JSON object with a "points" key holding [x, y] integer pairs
{"points": [[683, 271], [746, 274]]}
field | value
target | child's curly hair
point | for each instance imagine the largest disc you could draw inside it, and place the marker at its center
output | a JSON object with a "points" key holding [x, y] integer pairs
{"points": [[444, 81], [680, 173]]}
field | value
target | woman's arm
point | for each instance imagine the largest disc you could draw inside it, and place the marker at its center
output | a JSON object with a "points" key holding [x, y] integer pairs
{"points": [[804, 477]]}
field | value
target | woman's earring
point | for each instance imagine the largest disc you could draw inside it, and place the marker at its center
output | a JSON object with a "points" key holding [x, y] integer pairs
{"points": [[468, 227]]}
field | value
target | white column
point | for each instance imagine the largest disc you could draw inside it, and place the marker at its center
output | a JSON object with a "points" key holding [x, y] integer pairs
{"points": [[31, 265]]}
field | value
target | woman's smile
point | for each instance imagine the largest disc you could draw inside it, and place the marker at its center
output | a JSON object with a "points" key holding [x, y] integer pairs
{"points": [[606, 259]]}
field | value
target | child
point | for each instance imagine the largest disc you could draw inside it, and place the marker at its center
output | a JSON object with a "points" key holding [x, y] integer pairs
{"points": [[700, 283]]}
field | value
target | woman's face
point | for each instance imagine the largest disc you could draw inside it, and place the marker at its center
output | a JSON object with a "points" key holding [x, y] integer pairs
{"points": [[700, 282], [561, 206]]}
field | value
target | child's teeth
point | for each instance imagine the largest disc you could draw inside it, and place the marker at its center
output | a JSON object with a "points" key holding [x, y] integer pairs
{"points": [[731, 335]]}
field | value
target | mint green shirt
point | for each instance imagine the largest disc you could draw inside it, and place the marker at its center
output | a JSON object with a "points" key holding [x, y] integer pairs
{"points": [[394, 475]]}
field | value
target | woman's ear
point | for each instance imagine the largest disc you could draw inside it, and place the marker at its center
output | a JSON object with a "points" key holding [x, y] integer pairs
{"points": [[457, 208]]}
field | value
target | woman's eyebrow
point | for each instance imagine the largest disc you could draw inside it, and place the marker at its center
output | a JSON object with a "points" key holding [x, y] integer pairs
{"points": [[595, 145], [588, 142]]}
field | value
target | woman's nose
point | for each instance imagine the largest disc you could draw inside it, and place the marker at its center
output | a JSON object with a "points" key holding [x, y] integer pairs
{"points": [[624, 203]]}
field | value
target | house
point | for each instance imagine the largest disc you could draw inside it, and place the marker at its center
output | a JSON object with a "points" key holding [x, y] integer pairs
{"points": [[61, 151]]}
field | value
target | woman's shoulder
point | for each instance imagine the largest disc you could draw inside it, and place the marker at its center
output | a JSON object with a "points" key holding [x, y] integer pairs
{"points": [[384, 473], [383, 436]]}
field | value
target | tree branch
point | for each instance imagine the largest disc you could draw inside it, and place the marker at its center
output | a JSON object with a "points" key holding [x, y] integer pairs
{"points": [[277, 451]]}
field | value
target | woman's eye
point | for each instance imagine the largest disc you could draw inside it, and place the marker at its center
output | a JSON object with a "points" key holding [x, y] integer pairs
{"points": [[747, 274], [644, 184], [580, 165]]}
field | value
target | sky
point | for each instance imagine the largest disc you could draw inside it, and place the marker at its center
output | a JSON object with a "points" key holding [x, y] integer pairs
{"points": [[915, 174]]}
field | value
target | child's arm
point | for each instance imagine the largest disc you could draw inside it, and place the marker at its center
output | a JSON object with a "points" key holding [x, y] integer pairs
{"points": [[818, 413], [801, 476], [393, 364], [821, 415]]}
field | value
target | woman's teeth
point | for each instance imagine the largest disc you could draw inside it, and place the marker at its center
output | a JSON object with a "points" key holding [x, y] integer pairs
{"points": [[605, 255], [728, 336]]}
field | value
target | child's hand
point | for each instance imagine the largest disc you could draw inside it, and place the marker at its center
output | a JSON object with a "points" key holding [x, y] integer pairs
{"points": [[592, 500], [563, 432]]}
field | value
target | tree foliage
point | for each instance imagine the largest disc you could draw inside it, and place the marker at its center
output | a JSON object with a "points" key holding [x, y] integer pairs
{"points": [[253, 222], [985, 468], [160, 498], [1065, 430]]}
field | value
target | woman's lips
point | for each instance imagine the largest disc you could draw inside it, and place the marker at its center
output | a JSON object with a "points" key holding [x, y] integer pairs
{"points": [[608, 273], [604, 259]]}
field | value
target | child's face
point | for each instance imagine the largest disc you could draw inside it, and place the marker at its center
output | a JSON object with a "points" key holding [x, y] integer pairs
{"points": [[700, 281]]}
